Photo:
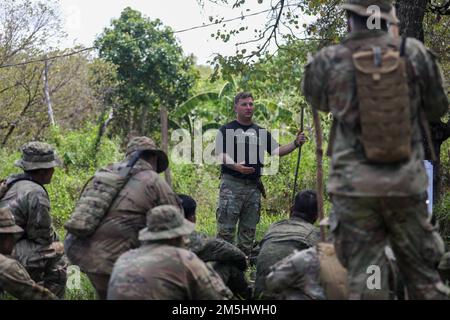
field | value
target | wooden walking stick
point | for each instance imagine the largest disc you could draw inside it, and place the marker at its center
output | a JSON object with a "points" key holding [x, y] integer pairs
{"points": [[299, 156], [319, 182]]}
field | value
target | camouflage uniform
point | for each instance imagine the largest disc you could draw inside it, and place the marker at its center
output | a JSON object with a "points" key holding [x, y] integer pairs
{"points": [[226, 260], [30, 205], [159, 271], [281, 240], [303, 275], [14, 279], [239, 201], [296, 277], [378, 203], [118, 231]]}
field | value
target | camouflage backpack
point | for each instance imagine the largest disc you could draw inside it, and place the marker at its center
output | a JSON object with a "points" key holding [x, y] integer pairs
{"points": [[384, 102], [97, 197]]}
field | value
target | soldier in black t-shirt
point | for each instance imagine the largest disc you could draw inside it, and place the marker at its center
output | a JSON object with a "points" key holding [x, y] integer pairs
{"points": [[240, 148]]}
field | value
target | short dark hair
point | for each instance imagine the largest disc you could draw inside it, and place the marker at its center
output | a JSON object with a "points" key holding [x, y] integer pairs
{"points": [[189, 205], [242, 95], [305, 206], [37, 171], [147, 154]]}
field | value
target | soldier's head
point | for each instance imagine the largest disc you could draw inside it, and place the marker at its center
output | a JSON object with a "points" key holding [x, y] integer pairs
{"points": [[9, 231], [38, 160], [305, 206], [149, 152], [189, 206], [243, 106], [166, 224], [369, 14]]}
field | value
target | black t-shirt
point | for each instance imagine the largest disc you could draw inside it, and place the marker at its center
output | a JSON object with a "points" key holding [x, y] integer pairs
{"points": [[244, 143]]}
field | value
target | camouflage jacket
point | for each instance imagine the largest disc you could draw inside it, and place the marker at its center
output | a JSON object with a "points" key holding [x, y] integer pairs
{"points": [[16, 281], [282, 238], [210, 249], [118, 231], [163, 272], [30, 204], [296, 277], [330, 85]]}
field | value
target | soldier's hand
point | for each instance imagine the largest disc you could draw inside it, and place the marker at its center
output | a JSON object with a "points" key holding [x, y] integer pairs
{"points": [[58, 247], [243, 169], [300, 139]]}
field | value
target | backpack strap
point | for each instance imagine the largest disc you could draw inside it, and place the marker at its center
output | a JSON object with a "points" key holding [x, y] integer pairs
{"points": [[5, 185]]}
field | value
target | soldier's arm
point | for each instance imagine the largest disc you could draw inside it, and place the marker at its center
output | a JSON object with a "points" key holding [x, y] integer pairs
{"points": [[222, 157], [219, 250], [164, 194], [204, 283], [314, 84], [16, 281], [435, 101], [39, 224]]}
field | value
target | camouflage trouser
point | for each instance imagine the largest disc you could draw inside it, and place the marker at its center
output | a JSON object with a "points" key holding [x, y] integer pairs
{"points": [[363, 226], [239, 203]]}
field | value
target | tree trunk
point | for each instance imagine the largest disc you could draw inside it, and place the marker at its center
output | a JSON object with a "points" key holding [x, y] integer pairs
{"points": [[411, 14], [47, 95], [165, 140], [143, 121]]}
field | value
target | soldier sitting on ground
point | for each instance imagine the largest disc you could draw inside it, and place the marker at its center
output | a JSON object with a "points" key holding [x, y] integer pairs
{"points": [[286, 236], [225, 258], [161, 269], [14, 279], [117, 232], [317, 274], [39, 249]]}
